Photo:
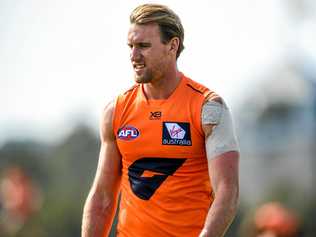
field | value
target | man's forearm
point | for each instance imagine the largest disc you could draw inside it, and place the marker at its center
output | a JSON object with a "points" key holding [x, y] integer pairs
{"points": [[93, 226], [220, 215], [97, 217]]}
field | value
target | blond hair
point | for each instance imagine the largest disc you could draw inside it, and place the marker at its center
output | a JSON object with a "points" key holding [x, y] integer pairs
{"points": [[169, 23]]}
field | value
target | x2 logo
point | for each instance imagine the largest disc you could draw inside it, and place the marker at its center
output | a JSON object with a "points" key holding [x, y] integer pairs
{"points": [[174, 133], [143, 186], [156, 115]]}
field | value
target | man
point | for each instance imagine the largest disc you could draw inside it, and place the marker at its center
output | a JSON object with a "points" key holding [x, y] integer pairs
{"points": [[167, 145]]}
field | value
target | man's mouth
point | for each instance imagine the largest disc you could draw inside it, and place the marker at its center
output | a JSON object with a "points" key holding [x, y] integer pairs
{"points": [[138, 67]]}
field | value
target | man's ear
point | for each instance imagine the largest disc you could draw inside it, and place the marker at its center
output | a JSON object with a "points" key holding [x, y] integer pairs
{"points": [[174, 45]]}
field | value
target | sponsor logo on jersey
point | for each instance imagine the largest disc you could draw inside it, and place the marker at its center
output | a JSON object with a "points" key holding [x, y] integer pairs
{"points": [[176, 133], [127, 133], [156, 115]]}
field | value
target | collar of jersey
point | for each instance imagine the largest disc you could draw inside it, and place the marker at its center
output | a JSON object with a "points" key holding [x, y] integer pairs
{"points": [[158, 102]]}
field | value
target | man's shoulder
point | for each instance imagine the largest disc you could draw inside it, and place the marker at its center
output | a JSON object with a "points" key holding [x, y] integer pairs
{"points": [[129, 90], [125, 94], [199, 87], [127, 97]]}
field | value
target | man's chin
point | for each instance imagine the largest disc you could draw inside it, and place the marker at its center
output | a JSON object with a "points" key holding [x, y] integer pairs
{"points": [[141, 79]]}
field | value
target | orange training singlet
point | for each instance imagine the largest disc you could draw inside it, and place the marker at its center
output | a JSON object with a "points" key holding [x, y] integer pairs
{"points": [[165, 189]]}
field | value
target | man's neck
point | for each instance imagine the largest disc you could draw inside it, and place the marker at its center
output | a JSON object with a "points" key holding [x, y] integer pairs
{"points": [[163, 88]]}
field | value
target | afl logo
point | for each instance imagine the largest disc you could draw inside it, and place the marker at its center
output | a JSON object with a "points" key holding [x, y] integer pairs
{"points": [[128, 133]]}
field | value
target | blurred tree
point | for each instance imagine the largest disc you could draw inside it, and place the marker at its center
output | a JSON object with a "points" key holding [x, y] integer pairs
{"points": [[72, 166], [28, 155], [64, 172]]}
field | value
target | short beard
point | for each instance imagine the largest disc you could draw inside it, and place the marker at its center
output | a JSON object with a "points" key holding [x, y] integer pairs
{"points": [[145, 78]]}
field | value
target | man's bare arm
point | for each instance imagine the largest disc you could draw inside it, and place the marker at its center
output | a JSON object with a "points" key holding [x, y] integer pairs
{"points": [[100, 206], [223, 164], [224, 175]]}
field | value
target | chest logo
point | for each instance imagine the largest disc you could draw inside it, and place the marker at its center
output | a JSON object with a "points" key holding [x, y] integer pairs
{"points": [[127, 133], [157, 170], [174, 133]]}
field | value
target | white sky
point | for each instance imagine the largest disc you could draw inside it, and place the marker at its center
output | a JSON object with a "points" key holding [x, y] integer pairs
{"points": [[66, 58]]}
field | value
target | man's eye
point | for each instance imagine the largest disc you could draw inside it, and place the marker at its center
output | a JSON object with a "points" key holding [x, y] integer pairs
{"points": [[144, 45]]}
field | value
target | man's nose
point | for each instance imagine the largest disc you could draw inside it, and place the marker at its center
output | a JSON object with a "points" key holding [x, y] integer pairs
{"points": [[135, 54]]}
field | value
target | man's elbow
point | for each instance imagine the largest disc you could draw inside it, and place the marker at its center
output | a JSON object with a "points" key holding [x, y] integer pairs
{"points": [[229, 197], [235, 204], [98, 204], [234, 199]]}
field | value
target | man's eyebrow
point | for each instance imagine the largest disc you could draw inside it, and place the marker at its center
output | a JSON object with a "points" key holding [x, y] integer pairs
{"points": [[144, 43], [139, 44]]}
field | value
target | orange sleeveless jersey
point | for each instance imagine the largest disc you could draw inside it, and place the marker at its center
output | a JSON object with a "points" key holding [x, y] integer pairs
{"points": [[165, 189]]}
